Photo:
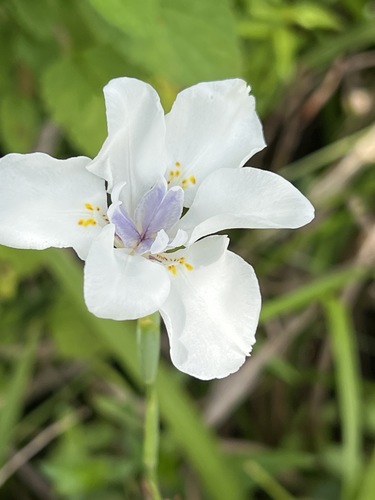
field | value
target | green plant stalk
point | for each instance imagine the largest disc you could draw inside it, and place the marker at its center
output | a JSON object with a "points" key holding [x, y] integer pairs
{"points": [[151, 442], [148, 343]]}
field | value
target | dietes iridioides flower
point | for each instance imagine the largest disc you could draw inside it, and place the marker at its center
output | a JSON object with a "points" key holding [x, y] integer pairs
{"points": [[141, 253]]}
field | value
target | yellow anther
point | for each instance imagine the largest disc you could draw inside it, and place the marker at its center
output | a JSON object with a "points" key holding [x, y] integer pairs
{"points": [[188, 180], [171, 176], [174, 173], [87, 222], [173, 270], [90, 221], [173, 267]]}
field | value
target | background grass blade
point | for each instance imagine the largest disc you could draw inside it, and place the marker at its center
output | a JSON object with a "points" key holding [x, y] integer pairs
{"points": [[312, 291], [368, 480], [347, 379], [15, 391]]}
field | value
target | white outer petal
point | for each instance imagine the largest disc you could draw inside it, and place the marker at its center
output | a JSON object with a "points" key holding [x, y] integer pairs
{"points": [[212, 125], [42, 200], [245, 198], [134, 151], [121, 286], [212, 312]]}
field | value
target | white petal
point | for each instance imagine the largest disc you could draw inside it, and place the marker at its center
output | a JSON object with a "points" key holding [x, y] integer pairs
{"points": [[122, 286], [211, 125], [212, 311], [179, 240], [245, 198], [160, 243], [134, 151], [43, 201]]}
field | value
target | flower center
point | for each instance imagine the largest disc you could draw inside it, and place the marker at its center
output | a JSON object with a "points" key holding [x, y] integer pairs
{"points": [[154, 220]]}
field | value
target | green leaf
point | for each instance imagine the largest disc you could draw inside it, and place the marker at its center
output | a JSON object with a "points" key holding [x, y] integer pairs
{"points": [[285, 47], [255, 30], [76, 104], [34, 57], [187, 41], [78, 467], [130, 16], [19, 123], [22, 261], [112, 65], [71, 334], [38, 18], [312, 16]]}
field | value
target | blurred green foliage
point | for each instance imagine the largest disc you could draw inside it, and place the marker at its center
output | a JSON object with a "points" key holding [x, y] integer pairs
{"points": [[71, 404]]}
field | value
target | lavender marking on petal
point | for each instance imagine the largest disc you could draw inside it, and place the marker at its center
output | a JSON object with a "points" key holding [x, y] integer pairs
{"points": [[125, 228], [168, 213], [148, 205], [156, 213]]}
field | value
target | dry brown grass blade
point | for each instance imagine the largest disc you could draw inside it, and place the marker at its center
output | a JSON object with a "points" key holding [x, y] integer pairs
{"points": [[337, 178]]}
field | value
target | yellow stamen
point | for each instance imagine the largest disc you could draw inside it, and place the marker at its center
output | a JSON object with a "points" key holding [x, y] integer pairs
{"points": [[173, 270], [188, 180], [87, 222]]}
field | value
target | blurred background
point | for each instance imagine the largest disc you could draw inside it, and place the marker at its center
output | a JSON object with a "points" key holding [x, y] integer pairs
{"points": [[298, 420]]}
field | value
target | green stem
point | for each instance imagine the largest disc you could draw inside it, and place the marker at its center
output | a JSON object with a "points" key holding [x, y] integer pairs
{"points": [[151, 442], [148, 340]]}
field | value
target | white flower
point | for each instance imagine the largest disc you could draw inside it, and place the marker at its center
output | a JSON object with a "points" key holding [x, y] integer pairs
{"points": [[153, 166]]}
